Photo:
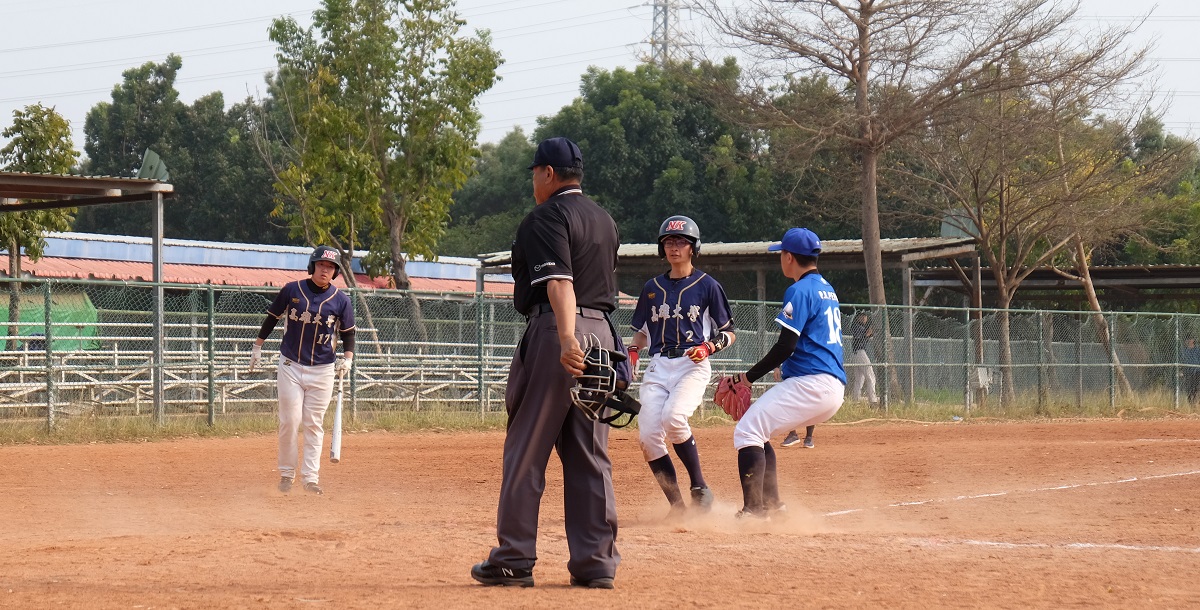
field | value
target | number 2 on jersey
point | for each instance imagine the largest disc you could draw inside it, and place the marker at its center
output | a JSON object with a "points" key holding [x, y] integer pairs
{"points": [[834, 317]]}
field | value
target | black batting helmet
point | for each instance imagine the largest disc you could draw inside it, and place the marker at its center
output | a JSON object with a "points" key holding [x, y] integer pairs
{"points": [[327, 254], [679, 225]]}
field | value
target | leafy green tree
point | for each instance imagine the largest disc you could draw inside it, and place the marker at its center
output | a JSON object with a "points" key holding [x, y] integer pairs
{"points": [[224, 188], [39, 142], [488, 208], [145, 112], [1174, 236], [382, 102], [655, 144]]}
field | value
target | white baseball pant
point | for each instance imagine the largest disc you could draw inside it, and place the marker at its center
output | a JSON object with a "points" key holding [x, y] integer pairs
{"points": [[304, 393], [793, 403], [862, 374], [671, 390]]}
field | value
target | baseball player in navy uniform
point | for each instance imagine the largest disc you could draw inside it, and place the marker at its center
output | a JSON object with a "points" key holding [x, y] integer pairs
{"points": [[683, 317], [315, 315], [809, 354]]}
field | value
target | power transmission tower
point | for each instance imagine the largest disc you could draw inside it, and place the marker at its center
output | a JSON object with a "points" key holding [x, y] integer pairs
{"points": [[661, 41]]}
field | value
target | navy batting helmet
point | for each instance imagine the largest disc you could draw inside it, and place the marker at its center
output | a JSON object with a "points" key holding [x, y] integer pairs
{"points": [[682, 226], [327, 254]]}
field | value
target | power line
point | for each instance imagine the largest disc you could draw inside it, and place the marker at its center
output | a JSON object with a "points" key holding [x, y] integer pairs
{"points": [[193, 28], [229, 48]]}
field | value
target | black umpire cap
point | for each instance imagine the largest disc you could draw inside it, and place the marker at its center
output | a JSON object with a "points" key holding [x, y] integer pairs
{"points": [[557, 152]]}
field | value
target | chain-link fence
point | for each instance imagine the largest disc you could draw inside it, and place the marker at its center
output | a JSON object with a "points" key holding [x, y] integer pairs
{"points": [[450, 352]]}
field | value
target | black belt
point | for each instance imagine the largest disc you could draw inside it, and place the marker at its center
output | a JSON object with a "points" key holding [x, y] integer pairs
{"points": [[674, 352], [542, 308]]}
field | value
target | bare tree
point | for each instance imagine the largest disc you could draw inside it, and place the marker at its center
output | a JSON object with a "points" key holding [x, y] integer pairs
{"points": [[1034, 176], [905, 62]]}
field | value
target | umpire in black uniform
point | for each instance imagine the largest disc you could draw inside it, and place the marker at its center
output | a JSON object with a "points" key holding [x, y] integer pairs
{"points": [[564, 261]]}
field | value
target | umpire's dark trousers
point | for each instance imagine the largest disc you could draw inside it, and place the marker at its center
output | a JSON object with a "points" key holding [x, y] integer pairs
{"points": [[541, 417]]}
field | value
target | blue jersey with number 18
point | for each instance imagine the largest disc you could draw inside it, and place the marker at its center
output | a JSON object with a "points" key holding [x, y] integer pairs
{"points": [[810, 309]]}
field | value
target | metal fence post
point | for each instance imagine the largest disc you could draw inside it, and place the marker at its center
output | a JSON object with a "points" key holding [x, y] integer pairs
{"points": [[1041, 348], [49, 309], [968, 361], [212, 341], [1178, 359], [354, 298], [1112, 361], [479, 352], [908, 335], [1079, 364]]}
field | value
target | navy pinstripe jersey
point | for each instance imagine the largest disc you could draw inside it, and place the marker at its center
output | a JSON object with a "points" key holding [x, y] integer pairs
{"points": [[810, 309], [311, 321], [683, 312]]}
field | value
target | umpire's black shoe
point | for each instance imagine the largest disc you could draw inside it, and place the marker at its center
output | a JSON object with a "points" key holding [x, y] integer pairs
{"points": [[491, 575], [313, 488], [604, 582], [285, 484]]}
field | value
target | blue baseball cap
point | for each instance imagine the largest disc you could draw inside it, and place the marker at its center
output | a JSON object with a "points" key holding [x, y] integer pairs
{"points": [[557, 152], [800, 241]]}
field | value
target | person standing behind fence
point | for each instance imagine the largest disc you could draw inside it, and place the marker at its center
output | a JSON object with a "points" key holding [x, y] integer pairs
{"points": [[684, 317], [1190, 358], [564, 266], [861, 372], [313, 310]]}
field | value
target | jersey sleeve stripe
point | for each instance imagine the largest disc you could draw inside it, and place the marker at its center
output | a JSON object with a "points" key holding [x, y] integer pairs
{"points": [[787, 326], [551, 277]]}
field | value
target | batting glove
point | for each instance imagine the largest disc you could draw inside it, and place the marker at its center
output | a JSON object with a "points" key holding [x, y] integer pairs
{"points": [[699, 352], [633, 358], [343, 366], [255, 356]]}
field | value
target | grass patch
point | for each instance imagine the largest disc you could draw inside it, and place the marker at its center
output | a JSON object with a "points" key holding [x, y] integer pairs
{"points": [[432, 418]]}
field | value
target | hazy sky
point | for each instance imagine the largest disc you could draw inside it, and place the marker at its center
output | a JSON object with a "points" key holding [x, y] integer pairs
{"points": [[70, 53]]}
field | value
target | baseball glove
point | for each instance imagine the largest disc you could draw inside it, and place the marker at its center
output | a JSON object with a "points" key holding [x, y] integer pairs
{"points": [[733, 395]]}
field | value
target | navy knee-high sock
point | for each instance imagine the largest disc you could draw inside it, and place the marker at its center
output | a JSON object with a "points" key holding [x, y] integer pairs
{"points": [[690, 456], [752, 466], [664, 473], [808, 431], [770, 478]]}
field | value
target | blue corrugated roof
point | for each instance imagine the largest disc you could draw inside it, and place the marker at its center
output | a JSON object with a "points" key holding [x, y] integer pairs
{"points": [[257, 256]]}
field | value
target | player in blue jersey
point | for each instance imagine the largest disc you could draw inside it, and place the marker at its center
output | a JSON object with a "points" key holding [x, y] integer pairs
{"points": [[809, 354], [315, 315], [683, 317]]}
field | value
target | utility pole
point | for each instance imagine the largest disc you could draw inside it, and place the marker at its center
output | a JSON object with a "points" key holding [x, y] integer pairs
{"points": [[665, 18]]}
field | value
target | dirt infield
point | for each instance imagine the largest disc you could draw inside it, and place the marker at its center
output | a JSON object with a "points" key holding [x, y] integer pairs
{"points": [[1101, 513]]}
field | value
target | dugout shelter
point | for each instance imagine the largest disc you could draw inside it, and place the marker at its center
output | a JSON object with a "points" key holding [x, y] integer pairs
{"points": [[642, 260], [21, 191]]}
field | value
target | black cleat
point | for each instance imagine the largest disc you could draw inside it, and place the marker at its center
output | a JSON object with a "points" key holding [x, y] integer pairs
{"points": [[285, 484], [702, 499], [604, 582], [491, 575], [313, 488]]}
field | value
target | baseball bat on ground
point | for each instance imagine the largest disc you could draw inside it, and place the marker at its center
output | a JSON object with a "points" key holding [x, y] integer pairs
{"points": [[335, 446]]}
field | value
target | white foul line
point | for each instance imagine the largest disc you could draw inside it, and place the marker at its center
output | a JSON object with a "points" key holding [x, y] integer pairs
{"points": [[1067, 545], [1004, 493]]}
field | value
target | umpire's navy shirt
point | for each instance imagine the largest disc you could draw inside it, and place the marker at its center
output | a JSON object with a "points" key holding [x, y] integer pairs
{"points": [[566, 237]]}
